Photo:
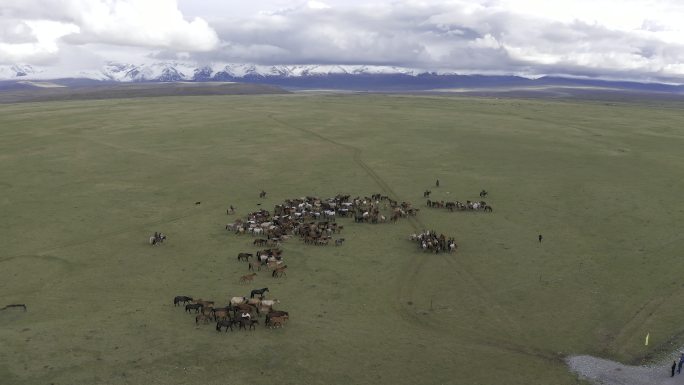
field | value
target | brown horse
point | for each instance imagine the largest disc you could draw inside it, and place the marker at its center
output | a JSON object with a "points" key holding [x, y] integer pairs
{"points": [[254, 266], [277, 321], [247, 278], [279, 272], [244, 257]]}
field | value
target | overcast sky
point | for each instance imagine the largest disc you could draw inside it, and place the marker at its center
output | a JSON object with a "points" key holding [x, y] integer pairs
{"points": [[629, 39]]}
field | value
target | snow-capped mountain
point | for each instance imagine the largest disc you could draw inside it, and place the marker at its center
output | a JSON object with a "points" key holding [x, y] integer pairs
{"points": [[179, 71], [17, 71], [347, 77]]}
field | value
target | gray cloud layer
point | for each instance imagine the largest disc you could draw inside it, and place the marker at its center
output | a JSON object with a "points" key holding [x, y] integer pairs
{"points": [[481, 36]]}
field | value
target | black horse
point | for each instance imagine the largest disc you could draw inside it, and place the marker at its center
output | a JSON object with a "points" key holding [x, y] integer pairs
{"points": [[244, 322], [193, 306], [181, 298], [483, 193], [262, 194], [225, 323], [427, 193], [260, 292]]}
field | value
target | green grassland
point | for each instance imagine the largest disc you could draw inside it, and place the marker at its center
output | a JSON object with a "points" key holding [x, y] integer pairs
{"points": [[84, 183]]}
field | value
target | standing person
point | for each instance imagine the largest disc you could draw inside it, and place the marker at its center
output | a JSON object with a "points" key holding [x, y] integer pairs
{"points": [[540, 238], [679, 365], [674, 366], [437, 183]]}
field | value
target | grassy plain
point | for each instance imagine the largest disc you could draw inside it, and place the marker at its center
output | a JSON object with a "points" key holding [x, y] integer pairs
{"points": [[84, 183]]}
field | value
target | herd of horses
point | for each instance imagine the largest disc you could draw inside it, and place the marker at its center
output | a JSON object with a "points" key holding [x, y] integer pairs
{"points": [[268, 259], [459, 206], [429, 241], [313, 220], [242, 313]]}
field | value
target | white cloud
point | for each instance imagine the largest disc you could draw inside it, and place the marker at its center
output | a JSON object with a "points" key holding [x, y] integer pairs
{"points": [[635, 38], [35, 41], [149, 23]]}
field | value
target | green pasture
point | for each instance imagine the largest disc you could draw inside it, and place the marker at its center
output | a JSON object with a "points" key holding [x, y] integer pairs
{"points": [[83, 184]]}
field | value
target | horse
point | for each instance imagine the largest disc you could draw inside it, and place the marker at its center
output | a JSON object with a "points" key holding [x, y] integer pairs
{"points": [[262, 194], [198, 203], [220, 313], [255, 265], [244, 322], [260, 292], [244, 308], [181, 298], [339, 241], [157, 238], [202, 317], [247, 278], [276, 321], [193, 306], [244, 257], [227, 323], [483, 193], [426, 193], [279, 272]]}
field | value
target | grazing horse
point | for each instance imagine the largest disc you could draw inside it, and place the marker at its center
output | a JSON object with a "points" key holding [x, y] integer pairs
{"points": [[247, 278], [181, 298], [225, 323], [339, 241], [255, 265], [276, 321], [483, 193], [202, 317], [279, 272], [245, 322], [259, 292], [15, 305], [220, 313], [193, 306], [244, 256], [426, 193]]}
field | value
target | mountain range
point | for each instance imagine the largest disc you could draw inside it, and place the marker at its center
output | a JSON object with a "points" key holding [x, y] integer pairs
{"points": [[344, 77]]}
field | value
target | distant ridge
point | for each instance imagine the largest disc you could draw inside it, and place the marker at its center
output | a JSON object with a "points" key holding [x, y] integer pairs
{"points": [[78, 89], [298, 77]]}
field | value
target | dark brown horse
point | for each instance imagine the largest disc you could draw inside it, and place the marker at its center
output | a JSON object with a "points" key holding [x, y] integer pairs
{"points": [[193, 306], [181, 298], [259, 292], [225, 323]]}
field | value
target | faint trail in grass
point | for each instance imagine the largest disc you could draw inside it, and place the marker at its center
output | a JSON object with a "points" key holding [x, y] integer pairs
{"points": [[130, 150], [99, 237]]}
